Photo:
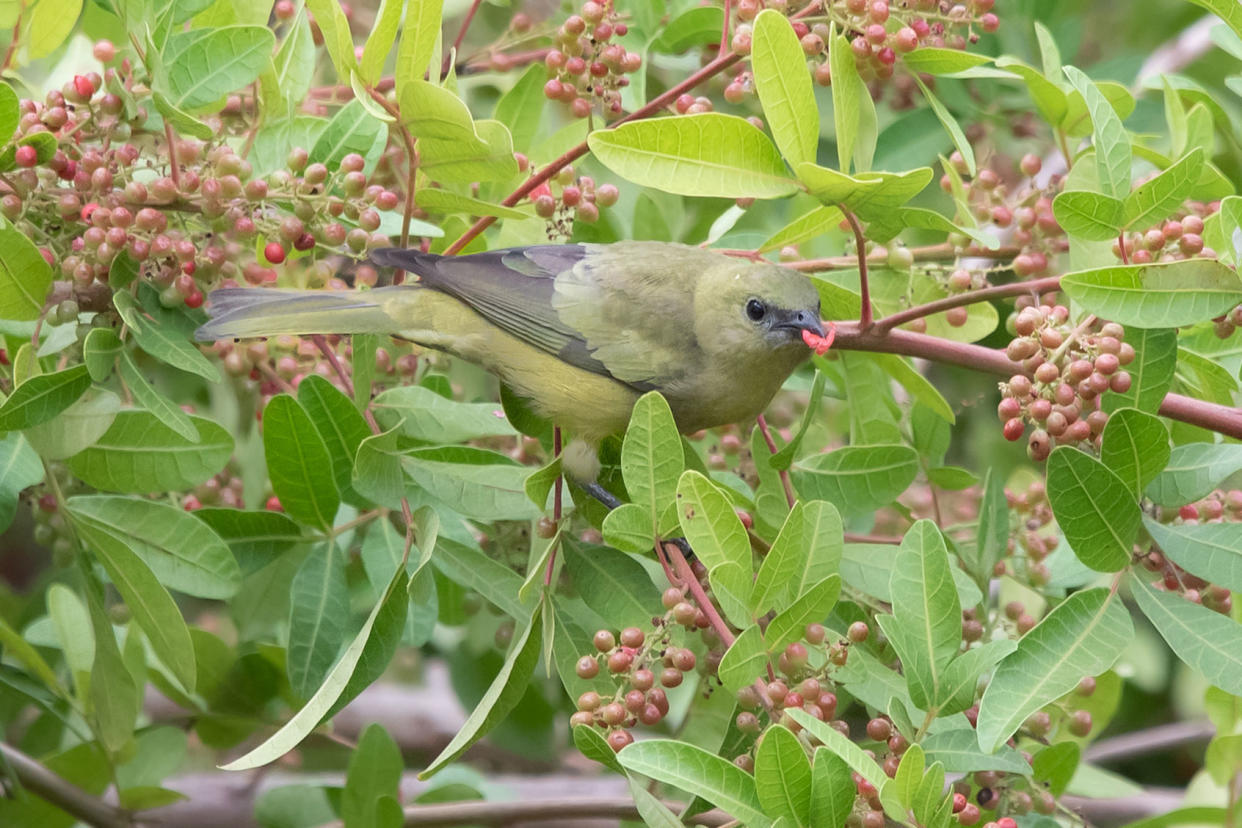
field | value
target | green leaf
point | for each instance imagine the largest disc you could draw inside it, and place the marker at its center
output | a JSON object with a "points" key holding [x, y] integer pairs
{"points": [[783, 776], [99, 352], [443, 201], [115, 699], [351, 129], [1083, 636], [915, 384], [153, 608], [1225, 10], [746, 659], [145, 395], [42, 397], [255, 538], [612, 583], [71, 622], [77, 427], [489, 157], [332, 687], [184, 553], [1089, 215], [712, 527], [699, 772], [692, 27], [941, 61], [832, 790], [156, 333], [419, 37], [804, 228], [10, 115], [1049, 98], [1056, 765], [927, 609], [1112, 145], [285, 86], [25, 276], [958, 750], [1135, 447], [811, 607], [1159, 197], [521, 110], [479, 484], [953, 478], [318, 613], [298, 463], [695, 155], [374, 771], [869, 194], [338, 41], [19, 467], [51, 23], [1208, 642], [204, 65], [784, 87], [338, 422], [1194, 470], [857, 478], [807, 550], [950, 124], [853, 111], [1151, 373], [628, 527], [1159, 295], [594, 746], [505, 691], [651, 456], [379, 41], [139, 454], [425, 415], [475, 569], [1094, 508], [1212, 551], [841, 746]]}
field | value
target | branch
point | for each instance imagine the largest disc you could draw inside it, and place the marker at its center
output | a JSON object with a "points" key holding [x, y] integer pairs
{"points": [[653, 106], [71, 799], [1219, 418], [864, 284], [1036, 287], [1152, 740], [934, 252], [571, 811]]}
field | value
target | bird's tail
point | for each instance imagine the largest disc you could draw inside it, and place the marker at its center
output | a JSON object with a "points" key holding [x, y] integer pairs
{"points": [[249, 312]]}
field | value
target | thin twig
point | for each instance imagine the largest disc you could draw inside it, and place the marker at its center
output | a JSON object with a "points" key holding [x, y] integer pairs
{"points": [[784, 473], [41, 781], [864, 287], [17, 30], [686, 574], [461, 36], [569, 811], [1036, 287]]}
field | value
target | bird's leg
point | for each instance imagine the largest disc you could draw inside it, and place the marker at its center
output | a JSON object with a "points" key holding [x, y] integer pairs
{"points": [[602, 495], [557, 489]]}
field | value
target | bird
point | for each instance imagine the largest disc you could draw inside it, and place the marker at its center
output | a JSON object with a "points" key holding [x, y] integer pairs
{"points": [[579, 330]]}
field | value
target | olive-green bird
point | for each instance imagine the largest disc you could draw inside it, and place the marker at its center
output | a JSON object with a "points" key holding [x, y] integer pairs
{"points": [[581, 330]]}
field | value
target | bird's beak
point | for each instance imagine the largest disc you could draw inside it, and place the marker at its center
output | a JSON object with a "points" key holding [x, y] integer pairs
{"points": [[800, 320]]}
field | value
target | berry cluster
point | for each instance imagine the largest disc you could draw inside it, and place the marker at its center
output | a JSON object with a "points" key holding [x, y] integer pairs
{"points": [[567, 198], [585, 66], [1170, 241], [1067, 369], [1216, 507], [1034, 540]]}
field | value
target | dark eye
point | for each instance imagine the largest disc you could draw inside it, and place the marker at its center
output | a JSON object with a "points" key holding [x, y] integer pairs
{"points": [[755, 309]]}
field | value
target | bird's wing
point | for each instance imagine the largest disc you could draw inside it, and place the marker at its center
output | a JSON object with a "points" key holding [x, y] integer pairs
{"points": [[513, 289]]}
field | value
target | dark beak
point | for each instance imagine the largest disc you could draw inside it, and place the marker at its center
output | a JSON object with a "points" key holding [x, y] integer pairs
{"points": [[800, 320]]}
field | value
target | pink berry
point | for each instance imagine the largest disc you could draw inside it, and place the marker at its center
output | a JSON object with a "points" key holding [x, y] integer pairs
{"points": [[274, 252]]}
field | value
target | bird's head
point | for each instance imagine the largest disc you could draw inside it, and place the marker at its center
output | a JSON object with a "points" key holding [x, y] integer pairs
{"points": [[753, 309]]}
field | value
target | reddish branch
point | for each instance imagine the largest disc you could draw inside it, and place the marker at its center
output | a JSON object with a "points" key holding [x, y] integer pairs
{"points": [[1036, 286]]}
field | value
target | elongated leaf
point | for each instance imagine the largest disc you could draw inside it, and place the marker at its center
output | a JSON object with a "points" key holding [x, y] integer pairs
{"points": [[25, 276], [380, 40], [651, 456], [804, 228], [784, 87], [857, 478], [1083, 636], [807, 550], [337, 421], [612, 583], [306, 719], [479, 484], [184, 553], [298, 463], [521, 110], [1159, 197], [319, 611], [1212, 551], [337, 38], [1226, 11], [941, 61], [832, 790], [163, 408], [927, 609], [783, 776], [694, 770], [841, 746], [711, 525], [1094, 508], [1089, 215], [77, 427], [1194, 470], [502, 695], [153, 608], [425, 415], [139, 454], [812, 607], [351, 129], [1112, 145], [205, 65], [156, 332], [1135, 447], [745, 659], [419, 37], [443, 201], [42, 397], [695, 155], [1151, 373], [1209, 643], [853, 111], [1157, 296], [950, 124], [869, 194], [958, 750], [1049, 98], [115, 699], [255, 538], [19, 467]]}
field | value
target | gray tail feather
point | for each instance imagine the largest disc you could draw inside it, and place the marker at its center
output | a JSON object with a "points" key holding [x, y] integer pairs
{"points": [[253, 312], [412, 261]]}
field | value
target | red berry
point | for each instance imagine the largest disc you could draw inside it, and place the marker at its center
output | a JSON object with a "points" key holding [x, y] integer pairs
{"points": [[83, 86], [273, 504], [274, 252], [26, 156]]}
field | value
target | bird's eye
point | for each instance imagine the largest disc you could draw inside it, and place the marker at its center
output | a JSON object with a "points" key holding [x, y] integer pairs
{"points": [[755, 310]]}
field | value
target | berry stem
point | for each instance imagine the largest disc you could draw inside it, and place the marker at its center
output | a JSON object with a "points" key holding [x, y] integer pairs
{"points": [[17, 30], [1219, 418], [329, 354], [650, 108], [784, 473], [691, 583], [461, 35], [864, 288], [1036, 287], [174, 169]]}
